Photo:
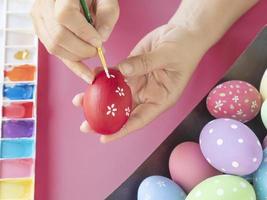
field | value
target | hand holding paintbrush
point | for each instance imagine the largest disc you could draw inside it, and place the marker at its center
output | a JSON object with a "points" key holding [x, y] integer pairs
{"points": [[63, 29]]}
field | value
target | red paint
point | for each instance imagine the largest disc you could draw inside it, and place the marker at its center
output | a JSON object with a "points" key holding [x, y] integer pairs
{"points": [[107, 102], [18, 110]]}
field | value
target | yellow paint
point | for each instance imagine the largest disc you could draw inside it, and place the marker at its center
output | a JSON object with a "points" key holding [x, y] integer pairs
{"points": [[16, 189], [103, 60], [22, 55]]}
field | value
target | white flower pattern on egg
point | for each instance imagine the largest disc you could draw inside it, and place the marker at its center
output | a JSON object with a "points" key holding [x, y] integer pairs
{"points": [[120, 91], [127, 111], [111, 110]]}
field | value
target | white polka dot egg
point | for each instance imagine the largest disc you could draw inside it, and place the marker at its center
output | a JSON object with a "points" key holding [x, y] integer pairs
{"points": [[263, 86], [231, 147], [159, 188], [234, 99], [223, 187]]}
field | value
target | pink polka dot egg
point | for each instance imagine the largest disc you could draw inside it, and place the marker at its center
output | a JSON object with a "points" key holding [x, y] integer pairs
{"points": [[234, 99], [231, 147]]}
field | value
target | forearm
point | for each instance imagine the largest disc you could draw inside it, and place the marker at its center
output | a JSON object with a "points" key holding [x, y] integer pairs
{"points": [[210, 19]]}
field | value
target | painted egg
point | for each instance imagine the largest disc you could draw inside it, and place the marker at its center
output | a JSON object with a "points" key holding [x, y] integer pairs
{"points": [[260, 179], [263, 87], [231, 147], [264, 142], [159, 188], [107, 102], [189, 154], [234, 99], [223, 187], [264, 113]]}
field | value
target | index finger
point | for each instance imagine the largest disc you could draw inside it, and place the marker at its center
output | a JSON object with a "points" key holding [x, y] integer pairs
{"points": [[68, 14]]}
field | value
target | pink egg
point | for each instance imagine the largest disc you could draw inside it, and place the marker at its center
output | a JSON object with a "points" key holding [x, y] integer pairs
{"points": [[237, 100], [188, 167]]}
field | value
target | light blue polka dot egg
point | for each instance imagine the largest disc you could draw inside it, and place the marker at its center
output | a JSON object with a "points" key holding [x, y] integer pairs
{"points": [[160, 188], [260, 179]]}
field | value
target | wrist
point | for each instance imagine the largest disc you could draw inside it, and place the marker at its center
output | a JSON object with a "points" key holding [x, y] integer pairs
{"points": [[204, 32]]}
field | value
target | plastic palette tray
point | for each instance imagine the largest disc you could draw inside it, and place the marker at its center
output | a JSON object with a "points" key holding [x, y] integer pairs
{"points": [[18, 85], [249, 67]]}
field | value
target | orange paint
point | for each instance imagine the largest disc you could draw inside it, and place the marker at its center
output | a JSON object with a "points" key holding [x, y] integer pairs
{"points": [[21, 73]]}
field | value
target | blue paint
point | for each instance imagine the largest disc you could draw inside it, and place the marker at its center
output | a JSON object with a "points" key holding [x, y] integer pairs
{"points": [[17, 148], [18, 91]]}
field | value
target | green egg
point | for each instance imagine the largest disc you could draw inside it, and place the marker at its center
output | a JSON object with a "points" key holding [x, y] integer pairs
{"points": [[223, 187], [264, 113]]}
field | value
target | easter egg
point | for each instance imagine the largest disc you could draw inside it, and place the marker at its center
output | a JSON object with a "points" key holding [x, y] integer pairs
{"points": [[223, 187], [264, 113], [260, 179], [263, 86], [185, 155], [107, 102], [159, 188], [234, 99], [231, 147]]}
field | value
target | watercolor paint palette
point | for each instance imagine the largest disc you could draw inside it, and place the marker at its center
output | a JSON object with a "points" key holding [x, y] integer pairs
{"points": [[18, 83]]}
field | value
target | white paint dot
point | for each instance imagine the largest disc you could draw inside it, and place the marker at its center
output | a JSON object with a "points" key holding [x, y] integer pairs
{"points": [[254, 160], [243, 185], [220, 192], [234, 189], [226, 119], [234, 126], [209, 161], [220, 142], [198, 193], [259, 144], [211, 130], [240, 140], [235, 164], [222, 94], [223, 169]]}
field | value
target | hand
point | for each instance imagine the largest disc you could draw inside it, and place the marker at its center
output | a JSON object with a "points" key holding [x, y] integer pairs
{"points": [[64, 31], [157, 71]]}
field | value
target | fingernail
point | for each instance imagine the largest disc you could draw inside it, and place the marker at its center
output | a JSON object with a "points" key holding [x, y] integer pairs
{"points": [[103, 140], [126, 69], [104, 31], [84, 127], [95, 42], [86, 78]]}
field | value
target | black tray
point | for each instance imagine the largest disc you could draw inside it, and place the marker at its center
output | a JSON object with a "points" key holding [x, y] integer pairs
{"points": [[249, 67]]}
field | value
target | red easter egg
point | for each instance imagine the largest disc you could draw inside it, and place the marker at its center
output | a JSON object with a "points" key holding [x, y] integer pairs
{"points": [[235, 99], [107, 102]]}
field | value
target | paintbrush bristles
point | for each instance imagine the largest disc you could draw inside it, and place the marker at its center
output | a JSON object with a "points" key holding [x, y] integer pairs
{"points": [[103, 60]]}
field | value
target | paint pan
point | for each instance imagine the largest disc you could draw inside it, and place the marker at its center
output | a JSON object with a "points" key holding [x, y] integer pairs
{"points": [[20, 73], [18, 91], [18, 110], [17, 128]]}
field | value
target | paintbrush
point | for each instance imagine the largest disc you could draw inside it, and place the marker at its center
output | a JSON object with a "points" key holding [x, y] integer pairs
{"points": [[89, 18]]}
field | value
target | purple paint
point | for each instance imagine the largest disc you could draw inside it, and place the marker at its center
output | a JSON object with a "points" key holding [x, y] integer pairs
{"points": [[17, 128]]}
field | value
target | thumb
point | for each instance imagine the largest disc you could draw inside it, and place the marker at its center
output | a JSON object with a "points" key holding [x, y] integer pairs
{"points": [[107, 14], [142, 64]]}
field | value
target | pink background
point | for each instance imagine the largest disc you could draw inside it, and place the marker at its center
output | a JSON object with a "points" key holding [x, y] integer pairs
{"points": [[72, 165]]}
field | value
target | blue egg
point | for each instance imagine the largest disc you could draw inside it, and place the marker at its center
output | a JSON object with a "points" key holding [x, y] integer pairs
{"points": [[260, 179], [159, 188]]}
